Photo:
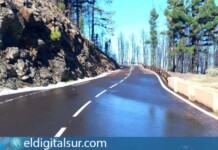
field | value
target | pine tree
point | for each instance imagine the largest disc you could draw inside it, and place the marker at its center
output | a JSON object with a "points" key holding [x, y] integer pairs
{"points": [[107, 47], [153, 35], [208, 18], [89, 13], [177, 18], [203, 23], [100, 17], [133, 48], [192, 31]]}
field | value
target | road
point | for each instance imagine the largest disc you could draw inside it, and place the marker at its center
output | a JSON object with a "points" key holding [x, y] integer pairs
{"points": [[127, 103]]}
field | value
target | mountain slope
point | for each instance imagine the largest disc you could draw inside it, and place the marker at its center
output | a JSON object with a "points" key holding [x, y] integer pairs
{"points": [[39, 46]]}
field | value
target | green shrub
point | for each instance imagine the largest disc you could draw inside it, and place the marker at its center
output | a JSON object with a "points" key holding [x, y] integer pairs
{"points": [[62, 7], [213, 72], [55, 35]]}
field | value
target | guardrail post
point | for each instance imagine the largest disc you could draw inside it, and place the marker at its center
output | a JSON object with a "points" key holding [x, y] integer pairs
{"points": [[175, 85], [215, 103], [191, 93]]}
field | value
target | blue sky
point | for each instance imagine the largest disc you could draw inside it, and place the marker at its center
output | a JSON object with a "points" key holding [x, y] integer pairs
{"points": [[132, 17]]}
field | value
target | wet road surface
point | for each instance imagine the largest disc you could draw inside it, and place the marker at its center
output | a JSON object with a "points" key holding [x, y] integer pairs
{"points": [[126, 103]]}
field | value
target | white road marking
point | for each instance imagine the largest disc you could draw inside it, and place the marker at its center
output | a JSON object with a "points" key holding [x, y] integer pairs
{"points": [[18, 97], [9, 100], [113, 85], [60, 132], [121, 81], [100, 93], [183, 99], [81, 109], [130, 72]]}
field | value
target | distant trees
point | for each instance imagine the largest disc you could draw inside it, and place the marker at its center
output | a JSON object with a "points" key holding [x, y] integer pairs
{"points": [[164, 49], [133, 48], [121, 47], [138, 54], [127, 52], [144, 46]]}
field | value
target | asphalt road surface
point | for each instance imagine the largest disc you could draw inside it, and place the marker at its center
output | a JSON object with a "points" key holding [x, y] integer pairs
{"points": [[127, 103]]}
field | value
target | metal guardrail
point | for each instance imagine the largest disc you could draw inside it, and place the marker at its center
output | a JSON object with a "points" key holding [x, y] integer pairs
{"points": [[164, 74]]}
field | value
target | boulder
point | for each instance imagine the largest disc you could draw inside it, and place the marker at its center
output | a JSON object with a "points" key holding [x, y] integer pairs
{"points": [[21, 68], [40, 42], [45, 74], [3, 71], [25, 78], [45, 77], [12, 53], [24, 54], [11, 29], [61, 72], [11, 83], [11, 71]]}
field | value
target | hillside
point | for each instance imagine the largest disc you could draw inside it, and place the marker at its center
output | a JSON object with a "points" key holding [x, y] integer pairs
{"points": [[40, 46]]}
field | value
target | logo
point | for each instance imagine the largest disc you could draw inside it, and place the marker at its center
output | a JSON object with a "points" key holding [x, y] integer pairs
{"points": [[16, 144], [1, 146]]}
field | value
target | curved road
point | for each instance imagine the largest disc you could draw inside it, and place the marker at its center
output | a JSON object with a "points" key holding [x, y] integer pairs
{"points": [[126, 103]]}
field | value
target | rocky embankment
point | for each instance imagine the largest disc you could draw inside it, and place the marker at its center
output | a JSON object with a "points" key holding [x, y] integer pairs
{"points": [[30, 56]]}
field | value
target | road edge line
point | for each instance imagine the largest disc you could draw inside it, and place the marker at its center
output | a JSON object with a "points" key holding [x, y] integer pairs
{"points": [[182, 98]]}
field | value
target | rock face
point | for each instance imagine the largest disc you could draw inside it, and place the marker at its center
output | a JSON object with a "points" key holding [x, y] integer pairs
{"points": [[29, 56]]}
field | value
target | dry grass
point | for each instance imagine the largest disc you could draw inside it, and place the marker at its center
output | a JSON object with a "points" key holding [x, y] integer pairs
{"points": [[199, 80]]}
